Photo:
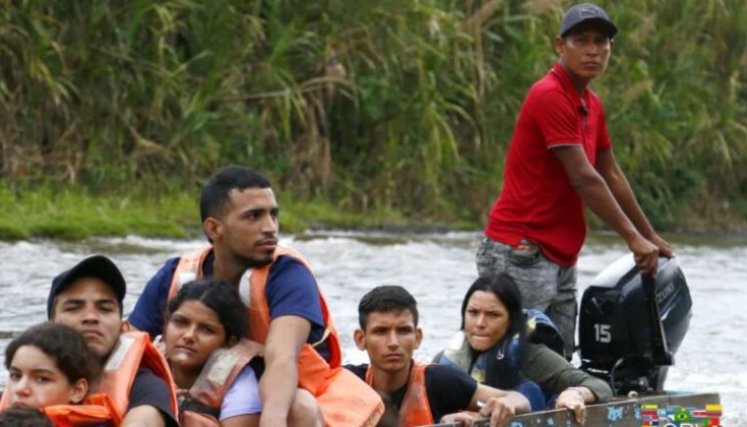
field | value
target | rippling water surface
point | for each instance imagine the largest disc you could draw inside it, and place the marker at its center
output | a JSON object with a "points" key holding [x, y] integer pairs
{"points": [[437, 269]]}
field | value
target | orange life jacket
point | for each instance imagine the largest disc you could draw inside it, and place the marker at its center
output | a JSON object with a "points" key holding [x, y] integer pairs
{"points": [[201, 406], [344, 399], [415, 409], [96, 409], [133, 351]]}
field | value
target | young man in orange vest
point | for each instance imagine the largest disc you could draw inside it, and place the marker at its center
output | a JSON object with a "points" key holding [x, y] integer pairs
{"points": [[287, 311], [422, 393], [88, 297]]}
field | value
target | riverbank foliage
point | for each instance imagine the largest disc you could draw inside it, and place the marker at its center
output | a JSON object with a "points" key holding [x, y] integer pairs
{"points": [[73, 213], [392, 105]]}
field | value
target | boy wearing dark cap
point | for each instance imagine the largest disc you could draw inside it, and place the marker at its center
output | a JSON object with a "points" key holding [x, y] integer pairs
{"points": [[88, 297], [560, 159]]}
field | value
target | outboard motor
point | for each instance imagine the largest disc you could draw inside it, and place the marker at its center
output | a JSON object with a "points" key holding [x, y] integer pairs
{"points": [[630, 325]]}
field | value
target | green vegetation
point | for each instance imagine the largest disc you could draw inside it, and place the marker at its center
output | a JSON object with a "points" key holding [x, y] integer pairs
{"points": [[365, 113], [72, 213]]}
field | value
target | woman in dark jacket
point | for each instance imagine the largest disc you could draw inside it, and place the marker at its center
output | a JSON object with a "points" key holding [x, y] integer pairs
{"points": [[495, 348]]}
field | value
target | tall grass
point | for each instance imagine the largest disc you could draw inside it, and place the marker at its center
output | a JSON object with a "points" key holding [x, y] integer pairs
{"points": [[403, 105]]}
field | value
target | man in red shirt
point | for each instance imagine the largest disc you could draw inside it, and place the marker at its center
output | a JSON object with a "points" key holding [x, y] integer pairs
{"points": [[559, 160]]}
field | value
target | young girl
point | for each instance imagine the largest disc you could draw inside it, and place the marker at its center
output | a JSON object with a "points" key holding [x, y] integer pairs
{"points": [[213, 364], [207, 316], [52, 368], [48, 365]]}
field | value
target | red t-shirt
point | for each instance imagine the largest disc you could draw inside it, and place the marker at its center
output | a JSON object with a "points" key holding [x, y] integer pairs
{"points": [[537, 202]]}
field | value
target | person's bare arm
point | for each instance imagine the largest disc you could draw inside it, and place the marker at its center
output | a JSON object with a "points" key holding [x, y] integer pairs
{"points": [[279, 382], [620, 187], [143, 416], [595, 193]]}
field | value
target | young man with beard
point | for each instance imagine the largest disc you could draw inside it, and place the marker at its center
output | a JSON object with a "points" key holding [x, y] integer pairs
{"points": [[560, 159], [287, 311], [421, 393]]}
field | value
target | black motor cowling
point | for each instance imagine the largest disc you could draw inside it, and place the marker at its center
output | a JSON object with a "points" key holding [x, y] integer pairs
{"points": [[630, 325]]}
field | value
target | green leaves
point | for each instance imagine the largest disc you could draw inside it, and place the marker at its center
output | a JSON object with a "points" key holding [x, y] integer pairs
{"points": [[394, 104]]}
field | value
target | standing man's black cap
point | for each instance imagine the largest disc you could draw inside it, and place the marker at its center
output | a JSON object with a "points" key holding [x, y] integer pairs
{"points": [[586, 12], [96, 266]]}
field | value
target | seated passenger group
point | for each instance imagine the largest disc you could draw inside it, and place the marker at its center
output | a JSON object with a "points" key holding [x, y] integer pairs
{"points": [[248, 339]]}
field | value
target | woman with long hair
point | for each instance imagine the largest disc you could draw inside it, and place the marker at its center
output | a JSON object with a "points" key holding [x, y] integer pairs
{"points": [[496, 346]]}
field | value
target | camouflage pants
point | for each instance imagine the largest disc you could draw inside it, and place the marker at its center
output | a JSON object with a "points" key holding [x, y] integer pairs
{"points": [[544, 285]]}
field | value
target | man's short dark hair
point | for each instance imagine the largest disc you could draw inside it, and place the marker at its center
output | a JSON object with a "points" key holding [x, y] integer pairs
{"points": [[384, 299], [215, 193]]}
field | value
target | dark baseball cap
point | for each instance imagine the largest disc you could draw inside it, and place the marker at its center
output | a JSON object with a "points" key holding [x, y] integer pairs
{"points": [[586, 12], [96, 266]]}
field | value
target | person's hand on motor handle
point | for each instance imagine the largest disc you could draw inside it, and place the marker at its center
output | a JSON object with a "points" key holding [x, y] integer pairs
{"points": [[665, 249], [645, 254]]}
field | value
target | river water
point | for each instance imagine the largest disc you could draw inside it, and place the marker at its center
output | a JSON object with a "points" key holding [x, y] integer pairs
{"points": [[436, 269]]}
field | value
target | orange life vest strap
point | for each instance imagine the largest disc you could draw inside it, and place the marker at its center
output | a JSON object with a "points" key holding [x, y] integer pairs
{"points": [[133, 351], [415, 409], [346, 401], [187, 269], [96, 409], [259, 313]]}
